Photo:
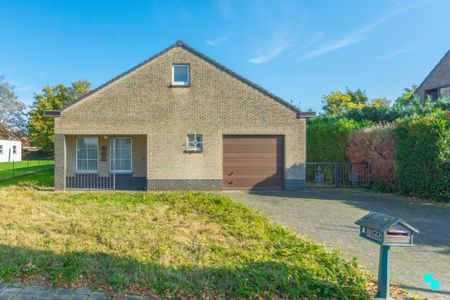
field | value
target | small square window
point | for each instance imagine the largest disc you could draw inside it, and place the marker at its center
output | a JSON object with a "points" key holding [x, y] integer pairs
{"points": [[14, 149], [1, 149], [180, 75], [194, 142], [445, 92]]}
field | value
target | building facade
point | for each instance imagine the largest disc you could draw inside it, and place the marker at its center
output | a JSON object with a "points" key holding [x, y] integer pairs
{"points": [[180, 121]]}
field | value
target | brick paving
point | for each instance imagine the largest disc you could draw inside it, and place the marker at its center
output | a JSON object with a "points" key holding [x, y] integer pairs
{"points": [[328, 215], [19, 291]]}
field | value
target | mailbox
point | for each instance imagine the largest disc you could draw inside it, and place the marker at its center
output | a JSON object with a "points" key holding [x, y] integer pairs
{"points": [[386, 230]]}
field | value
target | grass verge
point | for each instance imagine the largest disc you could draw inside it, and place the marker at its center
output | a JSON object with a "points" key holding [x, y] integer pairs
{"points": [[187, 244]]}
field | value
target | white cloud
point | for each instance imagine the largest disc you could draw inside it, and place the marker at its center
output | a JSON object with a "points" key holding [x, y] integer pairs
{"points": [[355, 37], [399, 52], [215, 42], [276, 50], [326, 48]]}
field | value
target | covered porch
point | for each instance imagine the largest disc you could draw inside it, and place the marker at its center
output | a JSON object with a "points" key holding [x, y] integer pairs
{"points": [[116, 162]]}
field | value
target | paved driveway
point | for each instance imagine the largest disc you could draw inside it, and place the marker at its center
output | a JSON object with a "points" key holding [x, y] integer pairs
{"points": [[328, 216]]}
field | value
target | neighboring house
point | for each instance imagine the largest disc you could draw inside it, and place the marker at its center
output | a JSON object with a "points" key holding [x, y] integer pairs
{"points": [[437, 83], [10, 150], [180, 120]]}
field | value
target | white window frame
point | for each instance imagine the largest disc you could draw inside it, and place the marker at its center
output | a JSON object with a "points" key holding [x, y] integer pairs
{"points": [[111, 156], [76, 155], [14, 149], [1, 149], [181, 83], [194, 147]]}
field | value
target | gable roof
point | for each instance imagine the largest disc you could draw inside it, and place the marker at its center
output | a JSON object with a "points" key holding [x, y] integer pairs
{"points": [[444, 58], [381, 222], [204, 57]]}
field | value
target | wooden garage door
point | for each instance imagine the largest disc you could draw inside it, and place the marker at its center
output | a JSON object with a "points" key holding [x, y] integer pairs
{"points": [[253, 162]]}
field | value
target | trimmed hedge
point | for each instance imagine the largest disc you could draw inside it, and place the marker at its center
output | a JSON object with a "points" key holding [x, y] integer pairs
{"points": [[327, 137], [423, 157]]}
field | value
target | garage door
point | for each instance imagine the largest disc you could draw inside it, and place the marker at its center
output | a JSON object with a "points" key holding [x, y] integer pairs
{"points": [[253, 162]]}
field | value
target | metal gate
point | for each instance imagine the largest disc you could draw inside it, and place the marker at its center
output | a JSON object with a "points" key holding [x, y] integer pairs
{"points": [[337, 174]]}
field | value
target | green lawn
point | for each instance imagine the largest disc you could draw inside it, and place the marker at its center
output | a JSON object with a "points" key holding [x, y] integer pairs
{"points": [[170, 244], [13, 169], [42, 179]]}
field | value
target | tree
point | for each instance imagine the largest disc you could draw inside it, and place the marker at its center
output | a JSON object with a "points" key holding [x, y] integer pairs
{"points": [[338, 102], [406, 96], [380, 103], [41, 129], [12, 112]]}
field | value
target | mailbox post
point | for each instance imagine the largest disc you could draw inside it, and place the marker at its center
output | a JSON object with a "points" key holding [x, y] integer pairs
{"points": [[385, 231]]}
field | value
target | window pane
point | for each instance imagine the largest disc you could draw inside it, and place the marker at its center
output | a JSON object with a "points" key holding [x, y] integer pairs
{"points": [[87, 150], [433, 94], [121, 160], [82, 165], [445, 93], [92, 164], [181, 73]]}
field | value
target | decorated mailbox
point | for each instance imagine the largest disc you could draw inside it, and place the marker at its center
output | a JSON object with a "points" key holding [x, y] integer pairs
{"points": [[386, 231]]}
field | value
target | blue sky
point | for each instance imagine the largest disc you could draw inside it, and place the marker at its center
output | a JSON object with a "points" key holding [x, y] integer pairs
{"points": [[300, 50]]}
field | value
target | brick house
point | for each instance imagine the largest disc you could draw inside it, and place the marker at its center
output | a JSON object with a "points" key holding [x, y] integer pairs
{"points": [[179, 120], [437, 83]]}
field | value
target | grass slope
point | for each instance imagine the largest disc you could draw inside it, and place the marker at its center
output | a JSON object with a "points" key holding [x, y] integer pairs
{"points": [[188, 244]]}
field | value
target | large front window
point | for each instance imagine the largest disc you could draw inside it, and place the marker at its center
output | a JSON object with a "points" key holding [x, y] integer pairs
{"points": [[87, 155], [121, 155]]}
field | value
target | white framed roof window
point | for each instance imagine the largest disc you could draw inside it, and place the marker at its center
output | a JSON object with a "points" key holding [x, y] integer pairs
{"points": [[180, 74]]}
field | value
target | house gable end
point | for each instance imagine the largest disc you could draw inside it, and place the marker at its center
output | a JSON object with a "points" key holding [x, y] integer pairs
{"points": [[203, 57], [439, 76]]}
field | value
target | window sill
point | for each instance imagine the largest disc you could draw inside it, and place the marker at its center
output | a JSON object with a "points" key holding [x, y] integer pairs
{"points": [[179, 86]]}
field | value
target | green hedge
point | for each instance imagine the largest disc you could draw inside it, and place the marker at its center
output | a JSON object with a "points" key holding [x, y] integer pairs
{"points": [[423, 157], [327, 137]]}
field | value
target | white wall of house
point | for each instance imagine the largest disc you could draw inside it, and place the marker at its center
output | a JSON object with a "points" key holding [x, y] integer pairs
{"points": [[10, 151]]}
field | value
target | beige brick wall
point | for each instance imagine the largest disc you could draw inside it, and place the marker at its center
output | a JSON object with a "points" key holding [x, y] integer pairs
{"points": [[143, 102]]}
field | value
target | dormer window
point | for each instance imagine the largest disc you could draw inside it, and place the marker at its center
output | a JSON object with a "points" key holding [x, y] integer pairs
{"points": [[180, 74]]}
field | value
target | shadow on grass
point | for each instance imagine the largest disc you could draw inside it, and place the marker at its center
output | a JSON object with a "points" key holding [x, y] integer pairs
{"points": [[244, 280], [433, 221]]}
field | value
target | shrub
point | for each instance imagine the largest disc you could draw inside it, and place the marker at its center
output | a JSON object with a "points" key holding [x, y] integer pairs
{"points": [[376, 146], [423, 156], [390, 114], [327, 137]]}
